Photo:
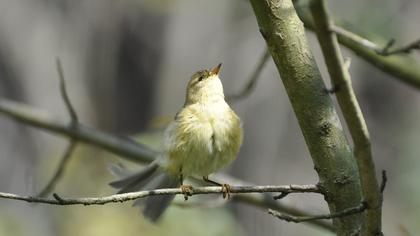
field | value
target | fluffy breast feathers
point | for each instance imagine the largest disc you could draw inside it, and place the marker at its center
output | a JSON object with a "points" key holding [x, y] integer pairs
{"points": [[202, 139]]}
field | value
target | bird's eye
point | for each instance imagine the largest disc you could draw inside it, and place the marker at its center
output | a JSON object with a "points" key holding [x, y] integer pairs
{"points": [[200, 78]]}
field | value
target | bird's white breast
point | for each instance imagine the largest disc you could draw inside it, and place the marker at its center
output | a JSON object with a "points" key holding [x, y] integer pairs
{"points": [[201, 140]]}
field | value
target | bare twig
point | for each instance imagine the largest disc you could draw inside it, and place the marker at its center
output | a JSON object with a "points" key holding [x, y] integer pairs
{"points": [[58, 200], [401, 66], [355, 38], [386, 48], [352, 115], [383, 51], [64, 95], [387, 51], [74, 122], [263, 201], [59, 172], [299, 219], [250, 85], [384, 180]]}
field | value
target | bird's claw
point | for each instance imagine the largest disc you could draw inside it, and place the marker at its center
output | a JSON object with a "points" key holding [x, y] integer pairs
{"points": [[186, 189], [226, 191], [225, 187]]}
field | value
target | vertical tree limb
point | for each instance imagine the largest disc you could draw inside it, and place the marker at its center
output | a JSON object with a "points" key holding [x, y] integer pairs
{"points": [[323, 133], [352, 114]]}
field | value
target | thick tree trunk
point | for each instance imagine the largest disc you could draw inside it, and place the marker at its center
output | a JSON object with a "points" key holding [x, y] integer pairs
{"points": [[322, 130]]}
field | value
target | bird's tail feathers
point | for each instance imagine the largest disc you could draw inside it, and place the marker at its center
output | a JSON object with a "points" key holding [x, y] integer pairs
{"points": [[154, 206], [133, 182], [151, 177]]}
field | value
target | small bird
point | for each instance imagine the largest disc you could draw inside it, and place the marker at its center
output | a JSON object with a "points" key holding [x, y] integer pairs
{"points": [[204, 136]]}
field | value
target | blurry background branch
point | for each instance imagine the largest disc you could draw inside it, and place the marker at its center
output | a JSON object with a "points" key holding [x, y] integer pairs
{"points": [[49, 187], [266, 201], [298, 219], [124, 147], [72, 145], [250, 85], [401, 66], [388, 50], [64, 94]]}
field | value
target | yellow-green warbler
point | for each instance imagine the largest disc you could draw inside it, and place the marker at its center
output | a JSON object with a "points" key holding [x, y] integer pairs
{"points": [[205, 136]]}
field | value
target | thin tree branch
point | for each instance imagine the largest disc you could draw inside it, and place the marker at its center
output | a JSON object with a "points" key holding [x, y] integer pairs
{"points": [[383, 51], [401, 66], [64, 95], [74, 122], [299, 219], [266, 201], [58, 200], [387, 51], [353, 116], [124, 147], [250, 85], [356, 38], [59, 171]]}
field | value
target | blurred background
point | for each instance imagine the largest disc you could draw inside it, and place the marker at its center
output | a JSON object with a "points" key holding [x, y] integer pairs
{"points": [[126, 65]]}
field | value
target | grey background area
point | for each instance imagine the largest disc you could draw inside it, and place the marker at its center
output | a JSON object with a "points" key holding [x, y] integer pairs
{"points": [[127, 64]]}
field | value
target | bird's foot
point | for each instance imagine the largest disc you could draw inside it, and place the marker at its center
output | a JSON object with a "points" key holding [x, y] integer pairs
{"points": [[226, 191], [225, 187], [186, 189]]}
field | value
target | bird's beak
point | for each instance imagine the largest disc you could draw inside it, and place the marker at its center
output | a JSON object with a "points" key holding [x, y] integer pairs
{"points": [[216, 70]]}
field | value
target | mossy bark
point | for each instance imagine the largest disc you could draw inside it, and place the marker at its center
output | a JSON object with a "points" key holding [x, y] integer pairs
{"points": [[353, 116], [320, 125]]}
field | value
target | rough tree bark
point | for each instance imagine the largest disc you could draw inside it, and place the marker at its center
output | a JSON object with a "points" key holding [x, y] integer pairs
{"points": [[322, 130]]}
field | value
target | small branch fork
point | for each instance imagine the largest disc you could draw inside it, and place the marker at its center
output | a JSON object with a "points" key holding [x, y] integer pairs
{"points": [[74, 122], [387, 50], [298, 219], [355, 38], [383, 51], [58, 200]]}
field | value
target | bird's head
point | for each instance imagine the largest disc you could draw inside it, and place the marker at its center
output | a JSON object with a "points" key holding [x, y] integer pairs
{"points": [[205, 86]]}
